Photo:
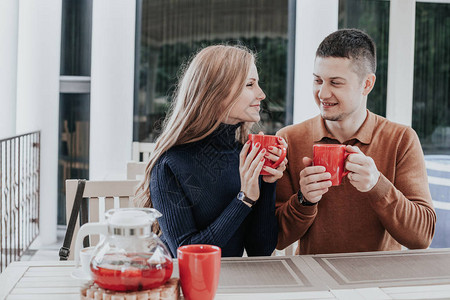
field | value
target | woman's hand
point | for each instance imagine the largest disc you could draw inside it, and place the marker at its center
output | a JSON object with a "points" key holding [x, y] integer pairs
{"points": [[274, 154], [250, 165]]}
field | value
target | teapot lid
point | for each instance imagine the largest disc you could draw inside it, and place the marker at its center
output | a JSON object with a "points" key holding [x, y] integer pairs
{"points": [[131, 217]]}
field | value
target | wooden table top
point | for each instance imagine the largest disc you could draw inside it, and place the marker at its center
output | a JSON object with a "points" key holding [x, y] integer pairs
{"points": [[409, 274]]}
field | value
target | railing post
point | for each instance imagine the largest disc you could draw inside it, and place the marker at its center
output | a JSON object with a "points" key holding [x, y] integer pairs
{"points": [[19, 195], [19, 200]]}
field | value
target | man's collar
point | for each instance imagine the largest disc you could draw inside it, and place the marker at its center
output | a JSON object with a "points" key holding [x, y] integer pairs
{"points": [[319, 129], [364, 133]]}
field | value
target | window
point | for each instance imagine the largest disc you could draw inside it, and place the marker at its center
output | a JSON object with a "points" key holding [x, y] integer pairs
{"points": [[431, 106], [431, 96], [372, 17], [169, 32], [74, 100]]}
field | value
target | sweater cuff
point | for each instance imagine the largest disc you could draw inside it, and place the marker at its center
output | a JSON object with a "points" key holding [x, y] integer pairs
{"points": [[305, 210], [268, 184], [241, 206], [379, 192], [268, 189]]}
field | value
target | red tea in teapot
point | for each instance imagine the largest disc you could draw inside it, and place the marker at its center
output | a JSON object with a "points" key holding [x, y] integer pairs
{"points": [[130, 272], [130, 257]]}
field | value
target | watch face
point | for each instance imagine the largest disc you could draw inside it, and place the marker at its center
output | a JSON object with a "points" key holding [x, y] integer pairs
{"points": [[241, 196]]}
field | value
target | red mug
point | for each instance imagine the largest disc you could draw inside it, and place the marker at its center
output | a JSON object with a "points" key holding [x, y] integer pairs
{"points": [[199, 267], [267, 141], [332, 157]]}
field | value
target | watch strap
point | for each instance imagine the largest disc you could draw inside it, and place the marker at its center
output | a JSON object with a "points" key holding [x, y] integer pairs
{"points": [[303, 201], [244, 198]]}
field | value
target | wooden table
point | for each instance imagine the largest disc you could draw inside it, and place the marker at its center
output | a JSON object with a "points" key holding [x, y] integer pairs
{"points": [[410, 274]]}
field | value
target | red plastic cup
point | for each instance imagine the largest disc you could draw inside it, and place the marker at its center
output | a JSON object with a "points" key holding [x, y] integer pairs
{"points": [[199, 267], [332, 157], [267, 141]]}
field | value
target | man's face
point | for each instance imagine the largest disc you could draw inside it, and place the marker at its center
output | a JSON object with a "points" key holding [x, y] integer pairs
{"points": [[338, 90]]}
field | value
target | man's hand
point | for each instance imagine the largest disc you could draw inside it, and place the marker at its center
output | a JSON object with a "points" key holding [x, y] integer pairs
{"points": [[314, 181], [363, 173]]}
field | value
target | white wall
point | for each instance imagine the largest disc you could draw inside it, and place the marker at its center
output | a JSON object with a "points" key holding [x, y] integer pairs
{"points": [[9, 12], [38, 96], [315, 20], [112, 84]]}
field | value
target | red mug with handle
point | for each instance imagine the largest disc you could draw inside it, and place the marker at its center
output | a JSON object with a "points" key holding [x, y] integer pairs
{"points": [[332, 157], [267, 141], [199, 267]]}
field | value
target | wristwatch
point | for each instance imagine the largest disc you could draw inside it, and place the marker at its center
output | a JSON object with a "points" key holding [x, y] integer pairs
{"points": [[302, 199], [241, 196]]}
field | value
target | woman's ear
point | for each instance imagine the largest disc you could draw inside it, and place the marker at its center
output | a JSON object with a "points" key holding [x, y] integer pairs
{"points": [[369, 82]]}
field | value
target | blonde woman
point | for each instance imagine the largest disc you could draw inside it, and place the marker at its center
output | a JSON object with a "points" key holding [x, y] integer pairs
{"points": [[202, 176]]}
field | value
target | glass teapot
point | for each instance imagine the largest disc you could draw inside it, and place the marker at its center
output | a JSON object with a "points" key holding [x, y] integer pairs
{"points": [[130, 257]]}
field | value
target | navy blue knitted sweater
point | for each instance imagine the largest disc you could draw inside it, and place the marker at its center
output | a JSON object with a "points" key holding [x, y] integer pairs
{"points": [[195, 186]]}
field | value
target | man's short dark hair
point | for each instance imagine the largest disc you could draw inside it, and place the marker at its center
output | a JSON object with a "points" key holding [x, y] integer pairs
{"points": [[352, 44]]}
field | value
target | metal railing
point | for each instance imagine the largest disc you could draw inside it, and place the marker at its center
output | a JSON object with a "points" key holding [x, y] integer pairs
{"points": [[19, 198]]}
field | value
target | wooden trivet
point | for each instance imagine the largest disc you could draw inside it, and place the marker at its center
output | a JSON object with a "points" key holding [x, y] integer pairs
{"points": [[168, 291]]}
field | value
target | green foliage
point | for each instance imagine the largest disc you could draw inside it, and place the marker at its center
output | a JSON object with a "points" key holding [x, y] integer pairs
{"points": [[271, 62], [431, 105]]}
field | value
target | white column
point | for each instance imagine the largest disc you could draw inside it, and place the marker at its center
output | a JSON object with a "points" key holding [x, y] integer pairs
{"points": [[401, 61], [315, 20], [112, 85], [9, 20], [38, 96]]}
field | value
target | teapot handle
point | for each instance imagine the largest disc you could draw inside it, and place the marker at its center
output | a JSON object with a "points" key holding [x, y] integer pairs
{"points": [[86, 229]]}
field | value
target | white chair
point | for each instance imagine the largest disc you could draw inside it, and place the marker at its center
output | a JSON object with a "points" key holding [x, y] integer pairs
{"points": [[136, 170], [103, 195], [144, 149], [288, 251]]}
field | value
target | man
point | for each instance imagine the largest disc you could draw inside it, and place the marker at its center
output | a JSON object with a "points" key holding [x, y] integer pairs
{"points": [[384, 202]]}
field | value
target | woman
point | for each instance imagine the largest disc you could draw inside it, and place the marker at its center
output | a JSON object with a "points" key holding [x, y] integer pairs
{"points": [[200, 165]]}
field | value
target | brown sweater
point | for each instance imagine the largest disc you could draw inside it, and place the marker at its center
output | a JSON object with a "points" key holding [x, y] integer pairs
{"points": [[397, 211]]}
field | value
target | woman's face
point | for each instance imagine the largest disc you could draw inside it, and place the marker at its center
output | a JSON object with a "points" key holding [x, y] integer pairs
{"points": [[247, 106]]}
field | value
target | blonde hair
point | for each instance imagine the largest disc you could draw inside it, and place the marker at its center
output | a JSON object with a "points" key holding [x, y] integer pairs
{"points": [[205, 94]]}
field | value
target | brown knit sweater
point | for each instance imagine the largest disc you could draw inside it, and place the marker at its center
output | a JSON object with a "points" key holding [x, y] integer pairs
{"points": [[397, 211]]}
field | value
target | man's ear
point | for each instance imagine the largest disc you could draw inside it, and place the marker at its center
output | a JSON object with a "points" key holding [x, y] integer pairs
{"points": [[369, 82]]}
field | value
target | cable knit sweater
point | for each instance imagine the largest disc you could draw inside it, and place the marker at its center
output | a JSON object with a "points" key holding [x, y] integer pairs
{"points": [[195, 186]]}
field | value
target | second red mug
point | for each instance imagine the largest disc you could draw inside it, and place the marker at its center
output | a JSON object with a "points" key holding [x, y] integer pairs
{"points": [[332, 157], [266, 141], [199, 267]]}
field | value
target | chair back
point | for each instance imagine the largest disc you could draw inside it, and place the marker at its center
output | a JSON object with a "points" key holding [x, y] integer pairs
{"points": [[136, 170], [102, 196], [288, 251], [142, 151]]}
